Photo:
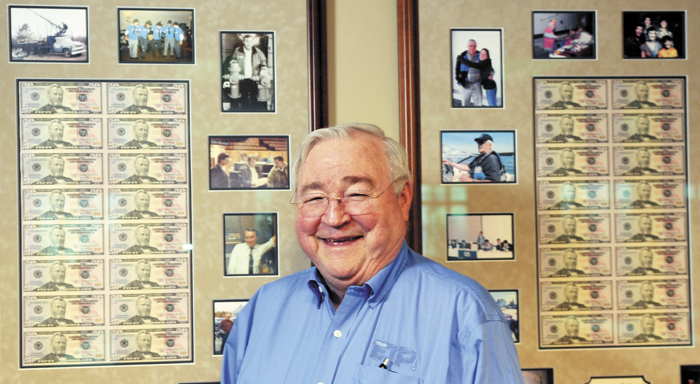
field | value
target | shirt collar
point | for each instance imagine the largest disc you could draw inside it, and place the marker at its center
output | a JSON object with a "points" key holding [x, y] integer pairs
{"points": [[379, 285]]}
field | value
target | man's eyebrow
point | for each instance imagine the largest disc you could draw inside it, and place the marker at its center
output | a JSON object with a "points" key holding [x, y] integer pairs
{"points": [[349, 180], [310, 187]]}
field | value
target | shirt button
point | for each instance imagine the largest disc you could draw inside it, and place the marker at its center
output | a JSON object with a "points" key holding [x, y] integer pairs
{"points": [[337, 333]]}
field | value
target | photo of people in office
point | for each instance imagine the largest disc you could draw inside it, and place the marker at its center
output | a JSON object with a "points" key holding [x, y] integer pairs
{"points": [[250, 244], [564, 35], [487, 236], [248, 162]]}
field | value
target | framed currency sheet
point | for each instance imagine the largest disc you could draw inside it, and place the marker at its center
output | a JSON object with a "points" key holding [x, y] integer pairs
{"points": [[105, 231], [612, 212]]}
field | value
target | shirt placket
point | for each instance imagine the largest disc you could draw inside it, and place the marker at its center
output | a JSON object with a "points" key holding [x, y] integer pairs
{"points": [[338, 333]]}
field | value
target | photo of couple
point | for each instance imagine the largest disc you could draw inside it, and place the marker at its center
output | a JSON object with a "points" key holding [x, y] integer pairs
{"points": [[477, 72]]}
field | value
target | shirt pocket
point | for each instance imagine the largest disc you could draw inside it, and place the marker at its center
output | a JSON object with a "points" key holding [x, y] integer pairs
{"points": [[366, 374]]}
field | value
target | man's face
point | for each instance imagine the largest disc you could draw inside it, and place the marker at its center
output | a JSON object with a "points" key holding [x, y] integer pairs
{"points": [[141, 131], [248, 42], [142, 201], [279, 164], [58, 309], [471, 46], [643, 158], [143, 306], [567, 159], [56, 131], [58, 238], [141, 166], [668, 44], [568, 192], [566, 92], [572, 327], [136, 23], [144, 342], [228, 316], [143, 271], [570, 260], [140, 97], [638, 31], [56, 165], [55, 96], [58, 345], [648, 325], [567, 126], [58, 201], [570, 227], [552, 24], [642, 92], [664, 24], [646, 258], [652, 35], [143, 236], [642, 125], [345, 248], [647, 292], [58, 273], [644, 192], [251, 238], [571, 293], [484, 146], [645, 225]]}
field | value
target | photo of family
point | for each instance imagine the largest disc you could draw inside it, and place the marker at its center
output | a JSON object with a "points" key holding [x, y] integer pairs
{"points": [[477, 68], [654, 35]]}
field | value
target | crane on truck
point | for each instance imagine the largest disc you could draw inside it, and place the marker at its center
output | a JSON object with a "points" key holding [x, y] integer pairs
{"points": [[58, 43]]}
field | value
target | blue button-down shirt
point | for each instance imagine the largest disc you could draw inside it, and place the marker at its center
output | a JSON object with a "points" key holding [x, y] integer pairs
{"points": [[433, 324]]}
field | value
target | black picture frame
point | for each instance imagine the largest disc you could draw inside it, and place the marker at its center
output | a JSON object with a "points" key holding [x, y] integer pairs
{"points": [[234, 234], [455, 146], [578, 44], [463, 226], [219, 308], [183, 17], [676, 25], [459, 39], [508, 300]]}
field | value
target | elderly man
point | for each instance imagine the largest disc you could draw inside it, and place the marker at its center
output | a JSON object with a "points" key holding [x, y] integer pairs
{"points": [[58, 202], [58, 314], [646, 291], [643, 196], [566, 125], [143, 239], [58, 350], [143, 313], [642, 101], [58, 240], [58, 277], [246, 258], [643, 160], [644, 223], [142, 200], [140, 96], [570, 260], [55, 176], [55, 105], [143, 275], [469, 80], [568, 160], [485, 168], [642, 124], [571, 296], [571, 337], [568, 195], [569, 226], [566, 95], [140, 176], [218, 177], [369, 300], [143, 341], [648, 324], [140, 140], [55, 137]]}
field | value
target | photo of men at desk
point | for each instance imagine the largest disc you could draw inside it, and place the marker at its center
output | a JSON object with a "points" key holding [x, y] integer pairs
{"points": [[563, 35], [249, 162], [479, 236]]}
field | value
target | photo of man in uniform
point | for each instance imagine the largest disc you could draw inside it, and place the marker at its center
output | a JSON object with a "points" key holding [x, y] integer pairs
{"points": [[571, 336], [645, 234], [143, 310], [571, 303], [58, 314], [646, 259], [58, 202], [143, 238], [566, 126], [569, 226], [143, 275], [648, 323], [55, 176], [58, 277], [642, 93], [58, 348], [58, 240], [143, 341], [566, 95], [568, 159], [140, 140], [55, 140], [642, 125], [246, 257], [643, 159], [55, 105], [568, 194], [570, 260], [646, 291], [142, 201], [643, 196], [140, 96], [140, 176]]}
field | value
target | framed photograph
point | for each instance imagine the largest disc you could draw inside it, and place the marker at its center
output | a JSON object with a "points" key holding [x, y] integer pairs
{"points": [[155, 35], [248, 162], [248, 71], [538, 375], [690, 374], [250, 244], [564, 35], [507, 300], [478, 157], [618, 380], [477, 68], [480, 236], [225, 313], [654, 35], [48, 34]]}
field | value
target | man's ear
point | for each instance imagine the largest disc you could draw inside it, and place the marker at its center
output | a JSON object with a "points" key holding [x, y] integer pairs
{"points": [[405, 197]]}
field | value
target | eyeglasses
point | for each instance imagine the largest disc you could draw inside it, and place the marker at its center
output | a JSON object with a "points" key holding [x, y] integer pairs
{"points": [[355, 202]]}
